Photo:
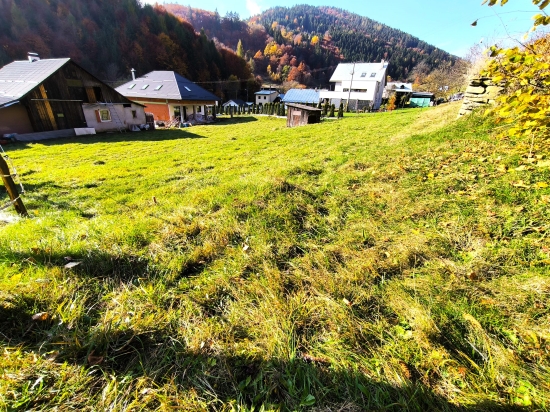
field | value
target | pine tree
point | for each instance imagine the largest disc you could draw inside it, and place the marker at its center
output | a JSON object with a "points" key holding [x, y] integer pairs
{"points": [[341, 110]]}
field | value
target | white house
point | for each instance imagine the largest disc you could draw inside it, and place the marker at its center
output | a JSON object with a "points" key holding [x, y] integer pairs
{"points": [[266, 96], [362, 84], [236, 103]]}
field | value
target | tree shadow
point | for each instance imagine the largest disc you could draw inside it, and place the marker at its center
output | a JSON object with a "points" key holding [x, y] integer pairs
{"points": [[224, 121]]}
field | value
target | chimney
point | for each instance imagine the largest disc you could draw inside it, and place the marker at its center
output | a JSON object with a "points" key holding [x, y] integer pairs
{"points": [[133, 74], [33, 57]]}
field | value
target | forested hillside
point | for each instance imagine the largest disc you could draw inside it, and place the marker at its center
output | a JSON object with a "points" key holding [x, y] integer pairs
{"points": [[109, 37], [305, 43]]}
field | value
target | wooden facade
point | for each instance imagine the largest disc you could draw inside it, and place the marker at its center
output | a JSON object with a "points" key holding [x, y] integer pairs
{"points": [[56, 103], [300, 115]]}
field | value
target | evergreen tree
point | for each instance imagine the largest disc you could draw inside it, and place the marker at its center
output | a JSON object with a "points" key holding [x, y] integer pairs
{"points": [[332, 110], [325, 108], [341, 110]]}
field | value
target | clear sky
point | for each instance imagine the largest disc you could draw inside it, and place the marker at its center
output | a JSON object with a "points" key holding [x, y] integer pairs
{"points": [[443, 23]]}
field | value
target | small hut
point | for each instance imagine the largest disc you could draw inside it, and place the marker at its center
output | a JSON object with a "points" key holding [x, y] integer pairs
{"points": [[300, 115]]}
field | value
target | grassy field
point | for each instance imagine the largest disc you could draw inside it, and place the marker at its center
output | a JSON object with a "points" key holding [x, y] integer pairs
{"points": [[395, 261]]}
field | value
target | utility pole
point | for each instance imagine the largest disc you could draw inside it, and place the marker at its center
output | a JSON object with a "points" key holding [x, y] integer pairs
{"points": [[351, 84], [7, 177]]}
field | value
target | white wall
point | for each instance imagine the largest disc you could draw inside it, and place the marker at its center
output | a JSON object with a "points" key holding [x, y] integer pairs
{"points": [[372, 92], [124, 114], [268, 98]]}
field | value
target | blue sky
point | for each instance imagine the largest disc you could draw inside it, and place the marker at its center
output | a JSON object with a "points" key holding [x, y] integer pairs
{"points": [[443, 23]]}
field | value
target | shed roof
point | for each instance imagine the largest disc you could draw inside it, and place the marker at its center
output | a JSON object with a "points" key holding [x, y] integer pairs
{"points": [[301, 96], [20, 77], [163, 84], [361, 71], [304, 107]]}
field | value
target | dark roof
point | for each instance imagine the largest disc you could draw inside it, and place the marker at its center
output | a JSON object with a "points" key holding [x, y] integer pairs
{"points": [[165, 85], [20, 77], [238, 102], [304, 107], [301, 96], [422, 94]]}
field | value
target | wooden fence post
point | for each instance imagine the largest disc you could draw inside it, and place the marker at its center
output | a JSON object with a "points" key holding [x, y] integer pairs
{"points": [[11, 187]]}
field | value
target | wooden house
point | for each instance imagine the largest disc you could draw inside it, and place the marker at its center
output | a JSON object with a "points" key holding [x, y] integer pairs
{"points": [[48, 95], [300, 115], [169, 95]]}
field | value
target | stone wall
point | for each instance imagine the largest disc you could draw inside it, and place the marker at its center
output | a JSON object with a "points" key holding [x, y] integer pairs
{"points": [[480, 92]]}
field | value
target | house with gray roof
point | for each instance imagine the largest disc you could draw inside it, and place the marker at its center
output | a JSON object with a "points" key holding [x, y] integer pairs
{"points": [[301, 96], [55, 95], [266, 96], [169, 95]]}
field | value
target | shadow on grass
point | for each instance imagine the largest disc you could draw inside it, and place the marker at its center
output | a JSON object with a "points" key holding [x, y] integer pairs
{"points": [[221, 379], [152, 136], [224, 121]]}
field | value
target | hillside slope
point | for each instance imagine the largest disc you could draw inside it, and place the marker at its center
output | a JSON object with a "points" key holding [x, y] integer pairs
{"points": [[109, 37], [318, 36], [360, 264]]}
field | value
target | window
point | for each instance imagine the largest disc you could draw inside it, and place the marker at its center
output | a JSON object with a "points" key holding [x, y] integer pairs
{"points": [[132, 86], [145, 86], [373, 75], [199, 108], [363, 74], [104, 115], [159, 87], [265, 97], [134, 114], [346, 89], [187, 88]]}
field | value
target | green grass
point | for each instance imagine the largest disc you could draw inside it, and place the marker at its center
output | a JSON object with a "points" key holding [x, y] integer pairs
{"points": [[396, 261]]}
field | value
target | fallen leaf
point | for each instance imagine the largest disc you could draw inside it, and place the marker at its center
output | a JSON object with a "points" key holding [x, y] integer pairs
{"points": [[94, 360], [245, 248], [347, 302], [310, 358], [41, 316], [520, 184], [541, 185], [72, 265]]}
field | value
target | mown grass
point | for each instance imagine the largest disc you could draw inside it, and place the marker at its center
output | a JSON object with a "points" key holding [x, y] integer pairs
{"points": [[396, 261]]}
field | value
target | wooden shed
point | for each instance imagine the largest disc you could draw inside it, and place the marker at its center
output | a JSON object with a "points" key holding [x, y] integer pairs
{"points": [[300, 115]]}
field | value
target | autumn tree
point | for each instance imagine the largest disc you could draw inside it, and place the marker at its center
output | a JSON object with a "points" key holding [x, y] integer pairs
{"points": [[524, 72], [240, 49]]}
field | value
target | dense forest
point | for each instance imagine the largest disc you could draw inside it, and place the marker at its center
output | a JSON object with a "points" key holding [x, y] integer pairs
{"points": [[305, 43], [296, 47], [109, 37]]}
